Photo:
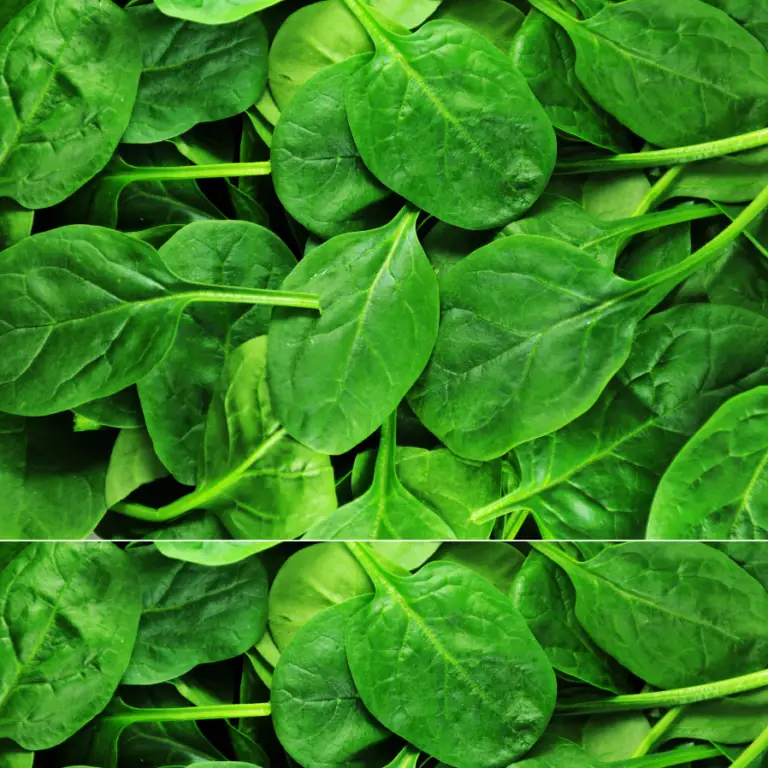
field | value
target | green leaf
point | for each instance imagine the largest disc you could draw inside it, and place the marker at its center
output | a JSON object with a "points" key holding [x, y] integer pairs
{"points": [[545, 597], [184, 65], [717, 486], [546, 57], [335, 378], [474, 149], [615, 737], [318, 713], [731, 720], [120, 411], [696, 96], [104, 312], [751, 14], [260, 482], [194, 614], [496, 20], [70, 73], [386, 510], [176, 394], [319, 175], [595, 478], [311, 580], [15, 223], [213, 11], [496, 561], [51, 480], [211, 553], [737, 178], [447, 628], [557, 753], [133, 463], [689, 614], [76, 607], [311, 39], [532, 329]]}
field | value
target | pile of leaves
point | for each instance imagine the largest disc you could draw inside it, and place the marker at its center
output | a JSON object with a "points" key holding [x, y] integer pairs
{"points": [[636, 655], [384, 269]]}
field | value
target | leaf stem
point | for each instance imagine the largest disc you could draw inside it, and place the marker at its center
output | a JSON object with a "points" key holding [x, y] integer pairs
{"points": [[656, 193], [662, 157], [677, 273], [656, 735], [366, 19], [752, 752], [181, 714], [384, 471], [234, 295], [670, 698], [182, 172]]}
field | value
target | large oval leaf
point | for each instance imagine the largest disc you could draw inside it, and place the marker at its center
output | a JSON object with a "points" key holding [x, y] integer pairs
{"points": [[717, 486], [71, 614], [70, 73], [182, 79], [444, 119], [335, 378], [675, 616], [448, 629]]}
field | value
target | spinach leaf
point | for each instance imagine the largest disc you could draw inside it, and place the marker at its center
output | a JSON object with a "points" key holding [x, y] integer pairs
{"points": [[312, 38], [104, 312], [15, 223], [386, 510], [732, 720], [176, 394], [319, 175], [213, 11], [596, 477], [194, 614], [670, 45], [448, 627], [737, 178], [365, 350], [474, 149], [70, 74], [71, 612], [121, 411], [545, 55], [501, 375], [259, 482], [497, 562], [496, 20], [212, 553], [133, 463], [545, 597], [51, 480], [689, 613], [310, 581], [183, 66], [751, 14], [318, 713], [717, 486]]}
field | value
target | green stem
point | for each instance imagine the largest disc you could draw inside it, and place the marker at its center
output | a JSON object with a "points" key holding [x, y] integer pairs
{"points": [[679, 272], [515, 523], [181, 714], [658, 732], [679, 756], [663, 157], [752, 239], [555, 13], [384, 471], [369, 22], [198, 499], [182, 172], [235, 295], [664, 699], [752, 752], [656, 193]]}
